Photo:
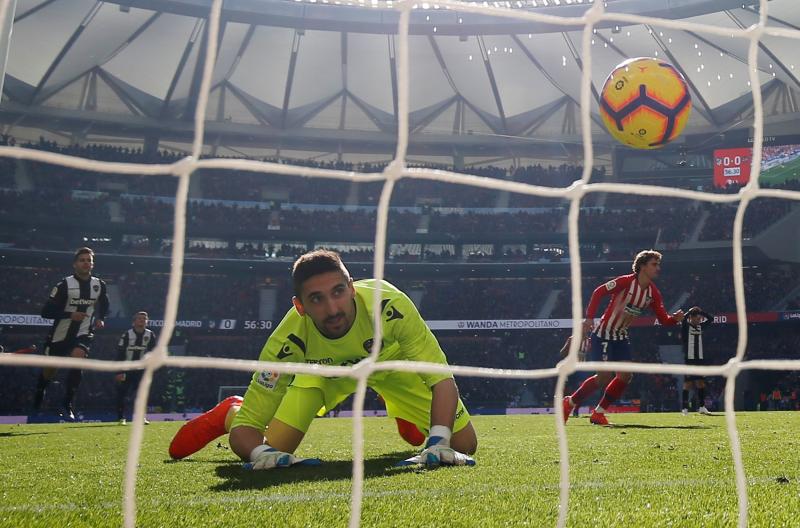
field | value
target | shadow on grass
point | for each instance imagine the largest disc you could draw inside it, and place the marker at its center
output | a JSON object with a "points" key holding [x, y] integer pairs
{"points": [[642, 426], [235, 477], [12, 434]]}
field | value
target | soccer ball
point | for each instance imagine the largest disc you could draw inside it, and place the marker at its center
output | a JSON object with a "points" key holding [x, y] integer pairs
{"points": [[645, 103]]}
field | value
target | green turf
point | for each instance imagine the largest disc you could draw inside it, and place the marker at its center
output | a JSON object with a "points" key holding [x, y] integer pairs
{"points": [[781, 173], [649, 470]]}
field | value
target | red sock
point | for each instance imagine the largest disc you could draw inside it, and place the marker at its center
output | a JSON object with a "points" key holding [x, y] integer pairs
{"points": [[613, 391], [586, 389], [410, 432]]}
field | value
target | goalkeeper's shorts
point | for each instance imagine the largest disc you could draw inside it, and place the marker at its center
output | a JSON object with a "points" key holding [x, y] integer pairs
{"points": [[405, 394]]}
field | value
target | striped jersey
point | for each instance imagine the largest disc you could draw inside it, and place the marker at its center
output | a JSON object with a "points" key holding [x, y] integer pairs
{"points": [[628, 301], [75, 295], [692, 337], [132, 345]]}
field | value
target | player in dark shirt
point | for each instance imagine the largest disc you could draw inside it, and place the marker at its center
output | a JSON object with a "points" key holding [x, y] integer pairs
{"points": [[133, 344], [78, 305], [692, 337]]}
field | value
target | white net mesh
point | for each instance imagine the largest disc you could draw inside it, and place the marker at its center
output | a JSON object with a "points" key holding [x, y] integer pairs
{"points": [[396, 170]]}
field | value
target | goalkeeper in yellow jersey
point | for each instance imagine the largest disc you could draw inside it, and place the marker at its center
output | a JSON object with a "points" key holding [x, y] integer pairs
{"points": [[332, 324]]}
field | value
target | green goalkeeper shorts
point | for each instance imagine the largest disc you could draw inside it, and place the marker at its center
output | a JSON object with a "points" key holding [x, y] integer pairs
{"points": [[405, 394]]}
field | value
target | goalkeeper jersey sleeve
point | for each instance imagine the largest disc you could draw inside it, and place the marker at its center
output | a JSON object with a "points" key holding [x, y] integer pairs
{"points": [[267, 387]]}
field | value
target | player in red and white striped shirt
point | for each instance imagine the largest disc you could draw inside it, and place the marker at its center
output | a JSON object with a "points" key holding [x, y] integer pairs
{"points": [[631, 295]]}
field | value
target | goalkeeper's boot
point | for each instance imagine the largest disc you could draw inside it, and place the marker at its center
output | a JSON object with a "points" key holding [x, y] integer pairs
{"points": [[198, 432], [703, 410], [410, 432], [598, 418], [568, 407]]}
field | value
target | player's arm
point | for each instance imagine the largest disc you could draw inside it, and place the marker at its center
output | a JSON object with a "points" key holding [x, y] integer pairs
{"points": [[152, 344], [101, 307], [264, 394], [657, 305], [708, 319], [54, 306]]}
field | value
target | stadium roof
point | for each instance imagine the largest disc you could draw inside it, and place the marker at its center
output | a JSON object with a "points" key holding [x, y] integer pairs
{"points": [[314, 75]]}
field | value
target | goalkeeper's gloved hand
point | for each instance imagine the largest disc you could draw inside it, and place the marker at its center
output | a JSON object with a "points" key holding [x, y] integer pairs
{"points": [[438, 452], [266, 457]]}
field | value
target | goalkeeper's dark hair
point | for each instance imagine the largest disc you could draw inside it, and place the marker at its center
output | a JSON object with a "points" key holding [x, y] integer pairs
{"points": [[643, 257], [82, 251], [694, 310], [314, 263]]}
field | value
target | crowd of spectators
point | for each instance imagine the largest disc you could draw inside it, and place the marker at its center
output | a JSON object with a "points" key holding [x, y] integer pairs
{"points": [[441, 210]]}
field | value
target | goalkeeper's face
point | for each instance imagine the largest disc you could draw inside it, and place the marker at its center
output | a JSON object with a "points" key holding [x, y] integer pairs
{"points": [[329, 300]]}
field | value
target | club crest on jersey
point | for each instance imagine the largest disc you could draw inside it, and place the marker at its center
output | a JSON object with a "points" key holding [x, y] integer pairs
{"points": [[268, 379], [96, 288], [610, 285], [368, 345]]}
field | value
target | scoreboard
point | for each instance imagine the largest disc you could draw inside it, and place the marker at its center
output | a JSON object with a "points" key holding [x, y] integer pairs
{"points": [[732, 166]]}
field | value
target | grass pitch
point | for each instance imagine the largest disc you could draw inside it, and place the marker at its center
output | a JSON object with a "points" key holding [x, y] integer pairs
{"points": [[781, 173], [648, 470]]}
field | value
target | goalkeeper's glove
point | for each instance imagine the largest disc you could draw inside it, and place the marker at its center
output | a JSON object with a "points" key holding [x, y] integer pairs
{"points": [[438, 452], [266, 457]]}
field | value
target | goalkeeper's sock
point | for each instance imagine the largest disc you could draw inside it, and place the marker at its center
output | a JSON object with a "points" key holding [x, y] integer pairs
{"points": [[586, 389], [613, 392], [410, 432], [685, 399], [701, 397], [41, 386], [198, 432]]}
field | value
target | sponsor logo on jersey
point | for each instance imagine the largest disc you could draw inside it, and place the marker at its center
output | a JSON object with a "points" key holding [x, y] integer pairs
{"points": [[81, 302], [392, 313], [284, 352], [322, 361], [633, 310]]}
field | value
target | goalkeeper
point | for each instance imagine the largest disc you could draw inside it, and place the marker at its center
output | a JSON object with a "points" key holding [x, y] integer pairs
{"points": [[332, 324]]}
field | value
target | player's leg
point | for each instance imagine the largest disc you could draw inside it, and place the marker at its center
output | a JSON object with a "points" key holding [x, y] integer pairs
{"points": [[408, 431], [133, 379], [293, 418], [700, 383], [122, 392], [685, 402], [195, 434], [74, 376], [615, 351], [598, 351], [408, 398], [45, 375]]}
